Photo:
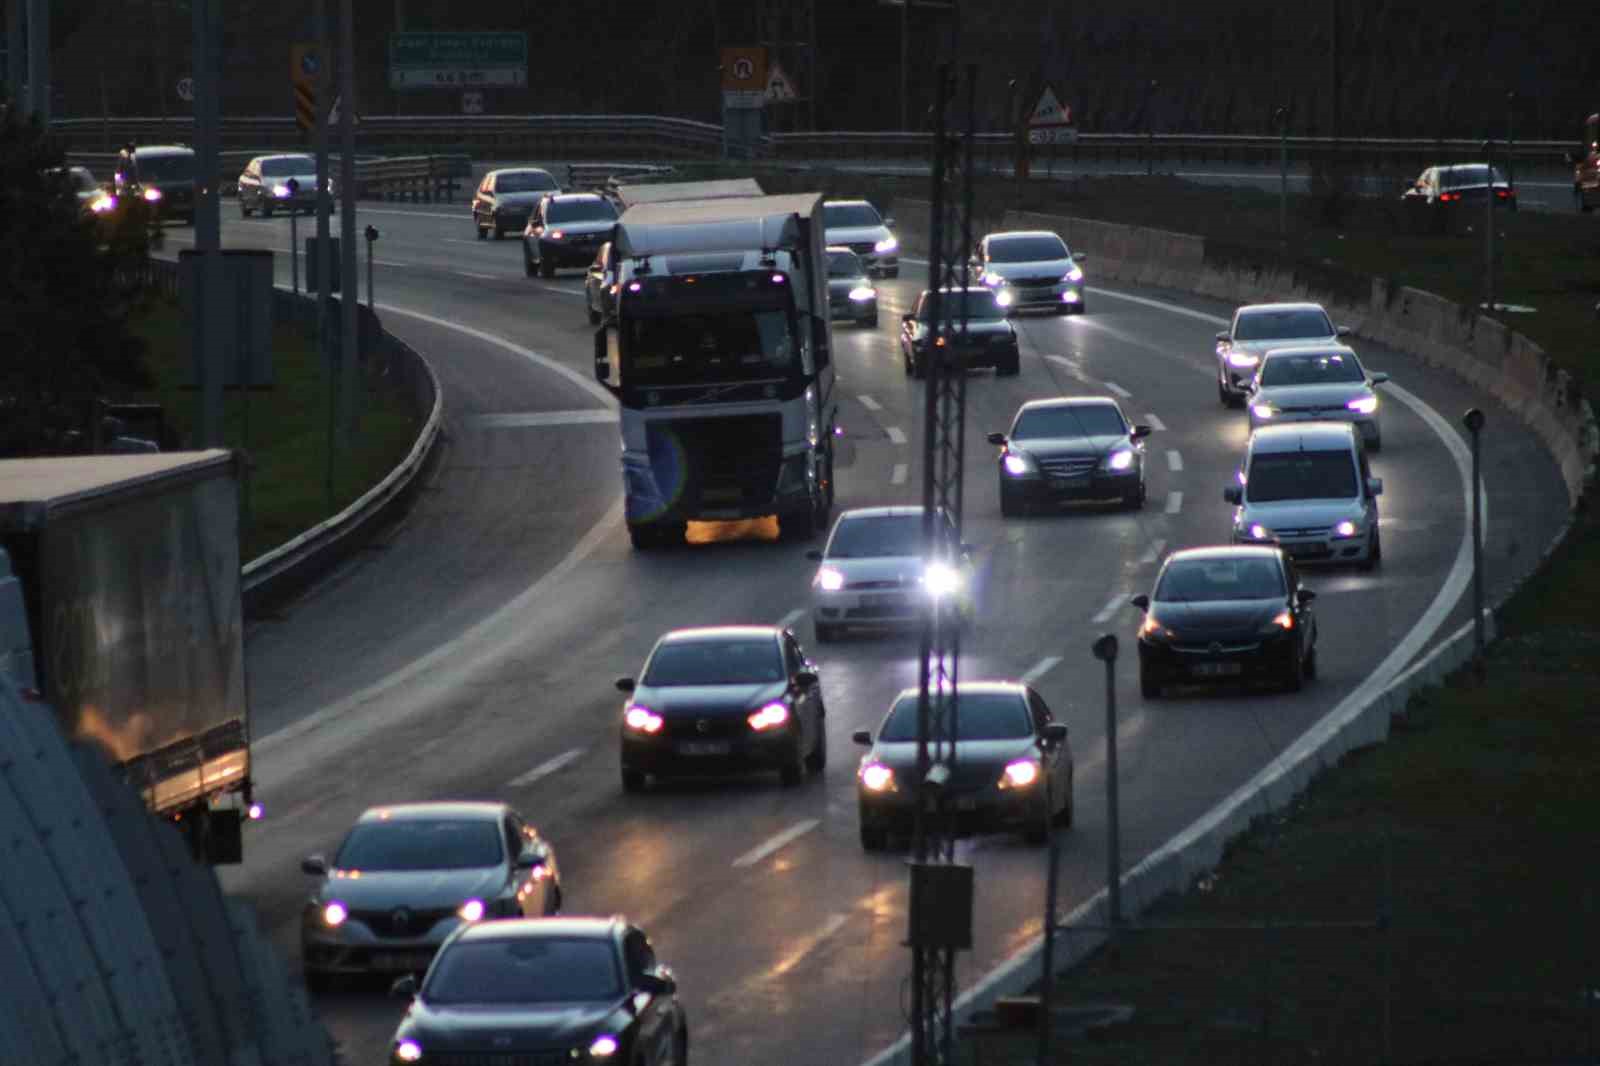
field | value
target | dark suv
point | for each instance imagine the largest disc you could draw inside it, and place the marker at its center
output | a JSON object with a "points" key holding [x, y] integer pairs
{"points": [[163, 175]]}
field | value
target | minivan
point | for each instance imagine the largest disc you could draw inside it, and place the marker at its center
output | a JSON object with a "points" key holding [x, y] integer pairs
{"points": [[1308, 487]]}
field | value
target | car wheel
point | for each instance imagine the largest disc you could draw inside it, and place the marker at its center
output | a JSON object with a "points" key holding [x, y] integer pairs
{"points": [[1222, 394], [1375, 444], [1374, 552], [680, 1048], [1134, 501], [483, 232], [594, 317], [1582, 204], [266, 209], [1010, 368], [873, 838], [798, 525], [794, 771], [317, 982], [917, 369], [1011, 502], [1038, 831], [1068, 812], [1310, 667], [1081, 308], [906, 360], [892, 272], [817, 761], [244, 211], [1149, 683], [1295, 678], [632, 780], [547, 267], [527, 265]]}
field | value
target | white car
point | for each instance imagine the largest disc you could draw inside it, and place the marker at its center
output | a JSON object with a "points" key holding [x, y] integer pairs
{"points": [[1320, 382], [876, 571], [1031, 270], [1258, 327], [857, 225]]}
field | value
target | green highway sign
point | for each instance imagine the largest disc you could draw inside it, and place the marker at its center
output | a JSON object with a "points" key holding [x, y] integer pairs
{"points": [[457, 60]]}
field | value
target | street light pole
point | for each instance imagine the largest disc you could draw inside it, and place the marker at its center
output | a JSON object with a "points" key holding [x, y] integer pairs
{"points": [[1283, 175], [905, 65], [1150, 130], [1474, 421], [1488, 227], [1105, 649], [371, 233], [1511, 144]]}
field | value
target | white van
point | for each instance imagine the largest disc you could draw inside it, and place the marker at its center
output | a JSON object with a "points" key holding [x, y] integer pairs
{"points": [[1307, 486]]}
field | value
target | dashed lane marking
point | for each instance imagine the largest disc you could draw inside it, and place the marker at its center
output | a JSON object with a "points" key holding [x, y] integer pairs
{"points": [[546, 768], [776, 843]]}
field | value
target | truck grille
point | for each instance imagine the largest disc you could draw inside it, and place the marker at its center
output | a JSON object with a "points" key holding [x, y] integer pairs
{"points": [[718, 464]]}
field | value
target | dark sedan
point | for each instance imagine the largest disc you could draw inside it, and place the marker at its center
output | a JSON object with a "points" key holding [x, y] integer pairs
{"points": [[1235, 613], [1070, 448], [1462, 183], [851, 295], [723, 700], [506, 198], [1012, 768], [162, 175], [972, 324], [543, 990], [566, 231]]}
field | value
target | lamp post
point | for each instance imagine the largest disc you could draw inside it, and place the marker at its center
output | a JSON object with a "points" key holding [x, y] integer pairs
{"points": [[294, 236], [1008, 122], [1150, 130], [1511, 144], [1474, 423], [1282, 115], [1105, 649], [371, 233], [1488, 227]]}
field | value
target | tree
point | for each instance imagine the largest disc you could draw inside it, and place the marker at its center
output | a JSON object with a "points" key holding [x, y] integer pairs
{"points": [[67, 284]]}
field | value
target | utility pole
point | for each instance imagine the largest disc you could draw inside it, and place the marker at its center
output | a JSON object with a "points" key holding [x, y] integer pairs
{"points": [[324, 252], [15, 49], [1488, 227], [39, 59], [349, 298], [208, 276]]}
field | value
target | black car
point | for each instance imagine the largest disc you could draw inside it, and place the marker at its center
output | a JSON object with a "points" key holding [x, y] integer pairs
{"points": [[1234, 613], [722, 700], [972, 323], [1070, 448], [851, 295], [163, 175], [506, 198], [1460, 184], [543, 990], [566, 230], [1012, 769]]}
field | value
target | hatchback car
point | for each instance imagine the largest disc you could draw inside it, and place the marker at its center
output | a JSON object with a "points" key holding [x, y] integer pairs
{"points": [[1316, 383], [1011, 767], [972, 326], [1258, 327], [1226, 613], [877, 570], [162, 175], [723, 700], [506, 198], [408, 875], [1461, 184], [543, 990], [270, 182], [1308, 487], [1070, 448], [1031, 270], [857, 225], [566, 230], [851, 295]]}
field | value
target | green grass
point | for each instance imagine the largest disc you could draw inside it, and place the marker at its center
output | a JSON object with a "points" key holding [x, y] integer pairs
{"points": [[283, 429]]}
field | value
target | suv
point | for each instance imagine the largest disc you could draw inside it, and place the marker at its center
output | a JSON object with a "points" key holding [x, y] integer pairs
{"points": [[1307, 486], [163, 175]]}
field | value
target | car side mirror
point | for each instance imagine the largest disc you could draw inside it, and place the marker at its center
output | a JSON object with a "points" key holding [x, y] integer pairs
{"points": [[1304, 596], [1343, 331], [315, 865], [626, 684], [404, 987], [1079, 257], [1054, 733], [1141, 601], [658, 984], [1140, 430], [1223, 336], [862, 737], [1374, 486], [1233, 494], [888, 222], [805, 678], [1379, 377], [997, 438]]}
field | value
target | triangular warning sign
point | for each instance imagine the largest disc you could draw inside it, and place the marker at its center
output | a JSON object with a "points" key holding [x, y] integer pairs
{"points": [[333, 113], [1049, 111], [779, 87]]}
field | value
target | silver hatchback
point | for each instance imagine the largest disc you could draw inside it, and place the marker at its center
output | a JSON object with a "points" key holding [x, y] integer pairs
{"points": [[1308, 488]]}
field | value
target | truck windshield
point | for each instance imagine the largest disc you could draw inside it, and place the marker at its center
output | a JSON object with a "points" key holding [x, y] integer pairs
{"points": [[738, 344]]}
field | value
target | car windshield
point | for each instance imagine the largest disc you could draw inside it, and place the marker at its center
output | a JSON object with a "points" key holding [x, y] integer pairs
{"points": [[166, 167], [1301, 476], [524, 970], [580, 211], [421, 844], [1467, 176], [1027, 249], [284, 166], [844, 265], [716, 662], [1207, 580], [877, 537], [1271, 325], [524, 181], [1313, 368], [976, 303], [1078, 420], [843, 216], [979, 716]]}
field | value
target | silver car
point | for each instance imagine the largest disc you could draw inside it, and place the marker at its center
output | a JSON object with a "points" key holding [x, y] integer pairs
{"points": [[506, 198], [1316, 383], [876, 571], [1258, 327], [1031, 269], [857, 225], [278, 182], [1307, 487], [406, 876]]}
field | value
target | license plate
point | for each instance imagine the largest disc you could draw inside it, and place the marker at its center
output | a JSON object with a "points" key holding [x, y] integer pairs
{"points": [[406, 961], [882, 600], [965, 803], [704, 747], [1217, 669], [1065, 483]]}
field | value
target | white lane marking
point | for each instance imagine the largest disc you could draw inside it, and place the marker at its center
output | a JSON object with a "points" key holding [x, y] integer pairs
{"points": [[775, 843], [1040, 668], [792, 617], [806, 946], [898, 475], [1153, 553], [480, 277], [1174, 461], [546, 768], [1118, 389], [390, 263], [1174, 502], [522, 419], [896, 435], [1155, 423], [1112, 606], [869, 403], [565, 292], [458, 240]]}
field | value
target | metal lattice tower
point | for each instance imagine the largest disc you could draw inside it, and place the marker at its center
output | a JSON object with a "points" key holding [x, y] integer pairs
{"points": [[937, 928]]}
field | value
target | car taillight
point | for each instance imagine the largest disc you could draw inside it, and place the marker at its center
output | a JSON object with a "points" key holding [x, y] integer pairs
{"points": [[1448, 197]]}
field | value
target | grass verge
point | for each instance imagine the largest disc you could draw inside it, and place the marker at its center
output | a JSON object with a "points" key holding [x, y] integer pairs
{"points": [[283, 430]]}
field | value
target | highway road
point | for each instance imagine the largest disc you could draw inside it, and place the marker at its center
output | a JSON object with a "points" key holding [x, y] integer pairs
{"points": [[471, 652]]}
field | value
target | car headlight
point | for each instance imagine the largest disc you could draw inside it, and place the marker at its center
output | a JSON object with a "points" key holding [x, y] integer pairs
{"points": [[603, 1046], [1154, 630], [1346, 528], [642, 720], [1363, 405], [334, 913], [103, 203], [281, 191], [1257, 531], [1119, 460], [1243, 360], [556, 235], [990, 278], [152, 194], [1282, 621], [876, 777], [829, 579], [408, 1051], [1018, 463], [1005, 298], [470, 911], [888, 244], [1263, 410], [1019, 774], [771, 716], [862, 292], [1074, 275], [941, 580]]}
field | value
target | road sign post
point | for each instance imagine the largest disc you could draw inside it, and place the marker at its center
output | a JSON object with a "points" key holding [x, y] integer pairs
{"points": [[305, 67], [1050, 124], [745, 83], [458, 60]]}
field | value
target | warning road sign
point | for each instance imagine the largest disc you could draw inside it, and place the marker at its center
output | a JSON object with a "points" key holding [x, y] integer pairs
{"points": [[779, 87], [1050, 111]]}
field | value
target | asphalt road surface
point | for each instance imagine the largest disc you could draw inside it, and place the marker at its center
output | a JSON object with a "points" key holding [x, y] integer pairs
{"points": [[470, 654]]}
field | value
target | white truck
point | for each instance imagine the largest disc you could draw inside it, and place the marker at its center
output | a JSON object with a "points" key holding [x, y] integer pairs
{"points": [[721, 359]]}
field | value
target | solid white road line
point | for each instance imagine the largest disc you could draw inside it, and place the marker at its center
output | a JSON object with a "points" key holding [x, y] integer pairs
{"points": [[520, 420], [898, 475], [896, 435], [546, 768], [775, 843], [1153, 553], [1040, 668], [1118, 389], [1174, 461], [1174, 502], [565, 292], [1155, 423], [792, 617], [1112, 607], [869, 403], [480, 277]]}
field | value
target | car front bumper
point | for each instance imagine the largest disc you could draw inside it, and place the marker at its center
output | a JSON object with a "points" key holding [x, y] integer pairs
{"points": [[983, 810], [1043, 297], [1366, 424], [686, 754], [353, 947], [1191, 662], [853, 310], [1098, 485], [1317, 546]]}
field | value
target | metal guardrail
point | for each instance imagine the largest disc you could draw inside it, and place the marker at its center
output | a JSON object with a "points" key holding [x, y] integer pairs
{"points": [[421, 177], [604, 177]]}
